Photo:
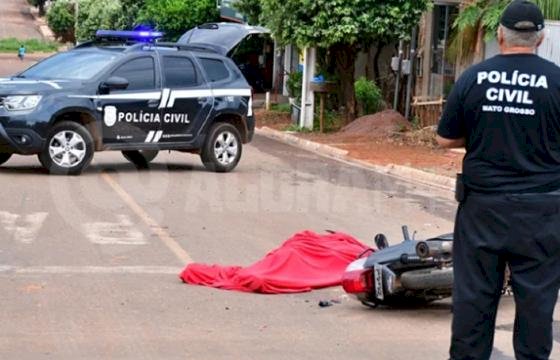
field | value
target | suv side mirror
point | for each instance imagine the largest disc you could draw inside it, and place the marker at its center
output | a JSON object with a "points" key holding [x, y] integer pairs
{"points": [[113, 83]]}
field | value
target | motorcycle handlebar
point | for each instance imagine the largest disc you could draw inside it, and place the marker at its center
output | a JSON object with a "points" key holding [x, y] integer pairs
{"points": [[405, 232]]}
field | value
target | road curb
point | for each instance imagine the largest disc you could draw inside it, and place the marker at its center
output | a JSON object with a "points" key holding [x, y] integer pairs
{"points": [[402, 172], [303, 143], [41, 24]]}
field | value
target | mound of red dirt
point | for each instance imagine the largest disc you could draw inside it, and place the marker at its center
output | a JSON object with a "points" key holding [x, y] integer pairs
{"points": [[381, 124]]}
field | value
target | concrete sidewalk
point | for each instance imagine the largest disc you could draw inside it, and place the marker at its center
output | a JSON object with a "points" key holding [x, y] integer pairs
{"points": [[16, 21], [402, 172]]}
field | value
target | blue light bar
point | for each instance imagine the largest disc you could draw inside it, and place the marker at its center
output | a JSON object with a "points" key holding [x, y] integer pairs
{"points": [[129, 35]]}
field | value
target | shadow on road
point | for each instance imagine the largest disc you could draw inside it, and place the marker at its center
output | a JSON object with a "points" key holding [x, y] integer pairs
{"points": [[105, 168], [441, 309]]}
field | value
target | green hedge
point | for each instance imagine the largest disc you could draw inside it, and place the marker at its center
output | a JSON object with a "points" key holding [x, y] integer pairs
{"points": [[33, 45]]}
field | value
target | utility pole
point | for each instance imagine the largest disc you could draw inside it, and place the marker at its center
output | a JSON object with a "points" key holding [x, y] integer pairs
{"points": [[397, 66], [76, 14], [412, 74]]}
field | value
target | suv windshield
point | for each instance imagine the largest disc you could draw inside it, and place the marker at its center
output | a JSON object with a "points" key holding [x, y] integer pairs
{"points": [[72, 65]]}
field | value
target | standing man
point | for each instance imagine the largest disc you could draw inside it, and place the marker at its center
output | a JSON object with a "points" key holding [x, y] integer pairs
{"points": [[506, 112]]}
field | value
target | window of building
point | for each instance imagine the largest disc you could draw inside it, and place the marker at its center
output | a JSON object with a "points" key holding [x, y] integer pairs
{"points": [[443, 71]]}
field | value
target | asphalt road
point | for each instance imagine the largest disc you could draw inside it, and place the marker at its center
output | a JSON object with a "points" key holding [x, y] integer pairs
{"points": [[89, 264]]}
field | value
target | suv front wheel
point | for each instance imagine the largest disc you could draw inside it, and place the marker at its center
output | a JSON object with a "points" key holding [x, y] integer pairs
{"points": [[68, 149], [222, 150]]}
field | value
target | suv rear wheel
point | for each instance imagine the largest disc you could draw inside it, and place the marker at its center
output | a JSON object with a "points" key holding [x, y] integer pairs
{"points": [[4, 157], [140, 158], [68, 149], [222, 150]]}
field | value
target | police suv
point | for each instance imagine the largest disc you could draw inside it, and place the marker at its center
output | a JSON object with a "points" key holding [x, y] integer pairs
{"points": [[125, 91]]}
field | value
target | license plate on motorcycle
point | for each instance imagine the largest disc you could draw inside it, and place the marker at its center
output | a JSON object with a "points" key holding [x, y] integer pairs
{"points": [[378, 281]]}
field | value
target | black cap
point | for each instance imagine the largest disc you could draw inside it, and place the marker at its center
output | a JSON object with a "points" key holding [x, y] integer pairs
{"points": [[523, 16]]}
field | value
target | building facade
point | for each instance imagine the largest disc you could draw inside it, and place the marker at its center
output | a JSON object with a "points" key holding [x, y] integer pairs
{"points": [[435, 73]]}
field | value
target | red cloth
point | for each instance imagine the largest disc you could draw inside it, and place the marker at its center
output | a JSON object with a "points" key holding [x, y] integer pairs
{"points": [[304, 262]]}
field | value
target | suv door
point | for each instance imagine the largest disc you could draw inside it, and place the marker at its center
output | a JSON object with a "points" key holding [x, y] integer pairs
{"points": [[186, 99], [132, 116]]}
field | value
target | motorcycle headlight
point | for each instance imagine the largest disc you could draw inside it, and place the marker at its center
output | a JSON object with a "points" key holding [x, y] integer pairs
{"points": [[21, 102]]}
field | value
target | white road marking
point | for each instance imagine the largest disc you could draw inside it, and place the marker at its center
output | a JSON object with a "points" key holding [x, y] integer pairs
{"points": [[164, 270], [121, 232], [160, 232], [22, 228]]}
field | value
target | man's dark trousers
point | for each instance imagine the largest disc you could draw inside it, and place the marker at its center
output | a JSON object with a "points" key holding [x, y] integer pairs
{"points": [[522, 230]]}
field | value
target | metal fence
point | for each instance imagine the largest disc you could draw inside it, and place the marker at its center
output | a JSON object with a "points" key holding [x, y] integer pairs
{"points": [[427, 110], [550, 49]]}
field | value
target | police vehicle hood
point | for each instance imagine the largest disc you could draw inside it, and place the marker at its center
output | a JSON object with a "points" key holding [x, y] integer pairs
{"points": [[220, 37], [18, 85]]}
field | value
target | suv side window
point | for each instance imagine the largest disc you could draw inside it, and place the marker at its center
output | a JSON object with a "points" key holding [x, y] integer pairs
{"points": [[215, 69], [140, 73], [179, 72]]}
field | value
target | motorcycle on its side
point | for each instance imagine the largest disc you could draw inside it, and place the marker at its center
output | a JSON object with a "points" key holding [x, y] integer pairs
{"points": [[412, 272]]}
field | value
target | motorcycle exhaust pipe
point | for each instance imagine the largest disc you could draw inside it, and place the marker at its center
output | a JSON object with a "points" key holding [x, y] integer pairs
{"points": [[427, 249]]}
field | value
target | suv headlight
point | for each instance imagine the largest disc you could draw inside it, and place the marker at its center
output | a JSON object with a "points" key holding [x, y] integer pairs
{"points": [[21, 102]]}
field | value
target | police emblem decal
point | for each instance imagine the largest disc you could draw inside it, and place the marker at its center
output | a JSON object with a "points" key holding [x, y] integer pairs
{"points": [[110, 116]]}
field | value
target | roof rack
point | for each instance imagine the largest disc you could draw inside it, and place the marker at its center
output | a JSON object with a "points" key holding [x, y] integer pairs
{"points": [[209, 26], [186, 47], [85, 44], [93, 43], [135, 45]]}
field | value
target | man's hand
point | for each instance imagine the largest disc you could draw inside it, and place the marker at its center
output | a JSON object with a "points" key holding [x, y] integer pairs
{"points": [[450, 143]]}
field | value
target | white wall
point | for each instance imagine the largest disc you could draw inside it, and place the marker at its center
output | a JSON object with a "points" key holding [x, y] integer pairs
{"points": [[550, 49]]}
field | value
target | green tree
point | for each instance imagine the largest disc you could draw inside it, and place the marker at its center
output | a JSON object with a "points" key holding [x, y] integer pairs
{"points": [[97, 14], [175, 17], [342, 26], [550, 8], [252, 9], [478, 22], [60, 18], [369, 96], [128, 16], [92, 16], [40, 4]]}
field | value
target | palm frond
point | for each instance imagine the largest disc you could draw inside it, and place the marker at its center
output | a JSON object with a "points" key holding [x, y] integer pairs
{"points": [[550, 8]]}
